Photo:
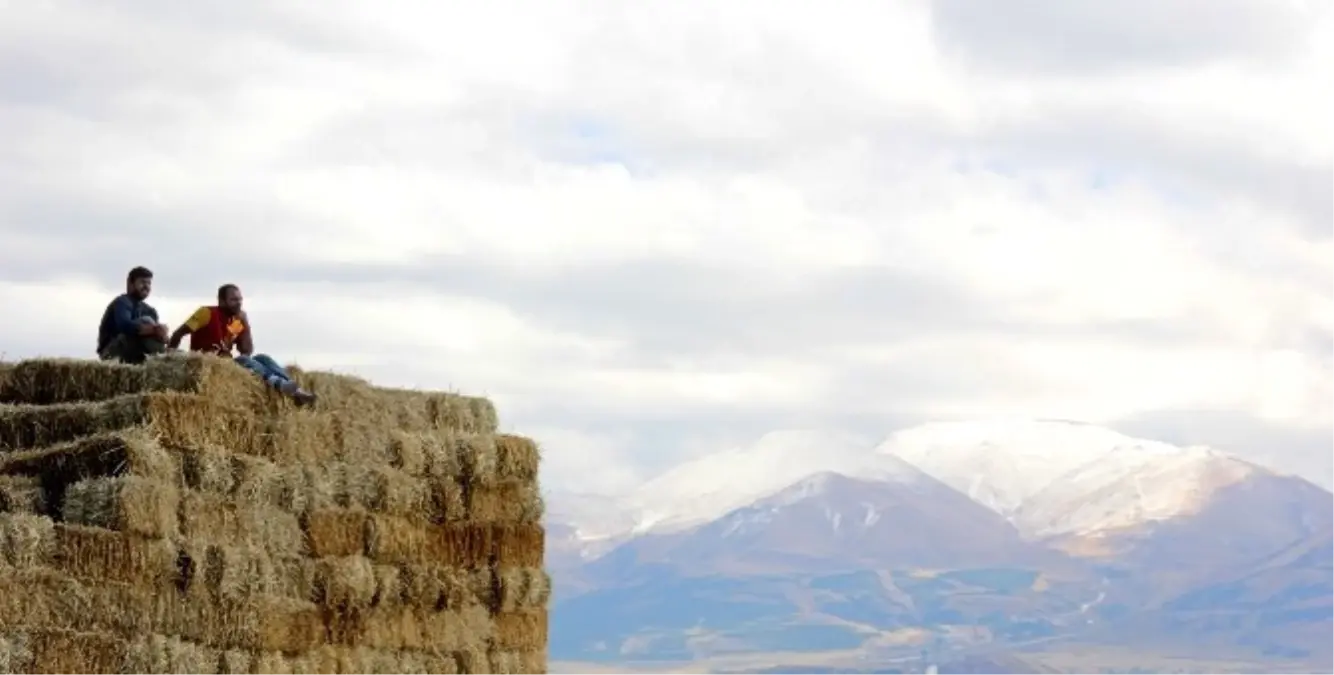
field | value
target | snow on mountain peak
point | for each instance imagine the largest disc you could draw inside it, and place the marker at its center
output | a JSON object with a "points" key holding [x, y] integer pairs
{"points": [[709, 487], [1002, 462]]}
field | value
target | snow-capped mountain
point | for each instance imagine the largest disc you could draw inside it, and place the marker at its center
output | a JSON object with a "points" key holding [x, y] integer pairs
{"points": [[704, 489], [1129, 486], [831, 521], [1048, 477], [1002, 463]]}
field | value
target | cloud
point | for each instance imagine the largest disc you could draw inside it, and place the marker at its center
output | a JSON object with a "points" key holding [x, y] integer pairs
{"points": [[652, 231], [1092, 37]]}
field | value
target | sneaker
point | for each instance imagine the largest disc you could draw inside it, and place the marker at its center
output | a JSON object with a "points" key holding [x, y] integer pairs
{"points": [[304, 397]]}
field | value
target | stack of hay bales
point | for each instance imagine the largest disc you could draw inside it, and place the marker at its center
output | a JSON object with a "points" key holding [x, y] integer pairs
{"points": [[179, 517]]}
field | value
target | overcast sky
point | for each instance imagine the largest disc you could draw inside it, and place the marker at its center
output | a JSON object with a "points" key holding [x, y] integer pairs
{"points": [[651, 230]]}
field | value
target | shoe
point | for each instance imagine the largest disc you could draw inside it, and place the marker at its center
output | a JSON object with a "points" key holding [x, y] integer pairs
{"points": [[304, 397]]}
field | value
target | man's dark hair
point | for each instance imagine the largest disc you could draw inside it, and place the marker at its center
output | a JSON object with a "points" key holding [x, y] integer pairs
{"points": [[223, 290], [137, 274]]}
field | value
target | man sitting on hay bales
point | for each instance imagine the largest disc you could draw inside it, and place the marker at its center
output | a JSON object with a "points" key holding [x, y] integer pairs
{"points": [[130, 330], [218, 328]]}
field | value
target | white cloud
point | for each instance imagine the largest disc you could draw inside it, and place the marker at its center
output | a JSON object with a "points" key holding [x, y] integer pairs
{"points": [[772, 210]]}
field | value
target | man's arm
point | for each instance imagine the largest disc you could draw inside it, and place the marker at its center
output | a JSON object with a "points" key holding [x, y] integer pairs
{"points": [[245, 343], [123, 312], [196, 321]]}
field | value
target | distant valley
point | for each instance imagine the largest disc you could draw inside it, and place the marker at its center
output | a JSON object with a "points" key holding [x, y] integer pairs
{"points": [[945, 543]]}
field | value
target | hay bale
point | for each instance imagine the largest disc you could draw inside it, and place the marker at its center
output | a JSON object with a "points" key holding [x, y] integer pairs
{"points": [[517, 457], [345, 582], [216, 520], [336, 532], [236, 662], [521, 631], [260, 482], [164, 654], [210, 571], [127, 503], [509, 502], [504, 661], [58, 380], [519, 545], [256, 624], [101, 554], [478, 458], [413, 629], [397, 540], [209, 469], [448, 500], [439, 587], [522, 588], [22, 494], [43, 597], [26, 540], [15, 656], [182, 420], [118, 453], [407, 452], [303, 436], [47, 381], [62, 651]]}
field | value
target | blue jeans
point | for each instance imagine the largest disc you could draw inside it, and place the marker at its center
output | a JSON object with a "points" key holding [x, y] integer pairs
{"points": [[266, 368]]}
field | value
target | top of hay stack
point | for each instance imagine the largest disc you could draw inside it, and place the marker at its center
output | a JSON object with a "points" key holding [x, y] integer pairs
{"points": [[62, 380]]}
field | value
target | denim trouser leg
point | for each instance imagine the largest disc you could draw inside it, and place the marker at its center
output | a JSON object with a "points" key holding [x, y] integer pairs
{"points": [[265, 368]]}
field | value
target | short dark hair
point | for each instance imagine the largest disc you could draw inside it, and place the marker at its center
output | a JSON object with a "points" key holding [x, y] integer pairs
{"points": [[224, 289], [137, 274]]}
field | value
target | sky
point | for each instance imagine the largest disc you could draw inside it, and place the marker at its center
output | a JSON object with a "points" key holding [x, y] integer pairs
{"points": [[654, 230]]}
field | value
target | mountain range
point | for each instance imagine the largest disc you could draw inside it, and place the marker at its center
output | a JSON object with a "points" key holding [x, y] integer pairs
{"points": [[945, 541]]}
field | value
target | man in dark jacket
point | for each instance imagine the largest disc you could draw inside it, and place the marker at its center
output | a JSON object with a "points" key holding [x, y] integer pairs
{"points": [[130, 329]]}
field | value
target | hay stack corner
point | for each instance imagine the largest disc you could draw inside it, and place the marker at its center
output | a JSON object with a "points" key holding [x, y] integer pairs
{"points": [[179, 517]]}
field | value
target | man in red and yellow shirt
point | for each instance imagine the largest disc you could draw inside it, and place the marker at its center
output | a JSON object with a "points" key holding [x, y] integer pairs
{"points": [[219, 328]]}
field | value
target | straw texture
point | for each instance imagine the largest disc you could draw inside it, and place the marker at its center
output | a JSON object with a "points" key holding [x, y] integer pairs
{"points": [[180, 516]]}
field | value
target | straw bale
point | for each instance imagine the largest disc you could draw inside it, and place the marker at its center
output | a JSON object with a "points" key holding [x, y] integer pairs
{"points": [[236, 662], [407, 452], [260, 482], [438, 587], [15, 656], [256, 623], [336, 532], [414, 629], [276, 663], [478, 457], [44, 597], [64, 651], [303, 436], [26, 539], [97, 553], [469, 627], [391, 539], [125, 503], [46, 381], [504, 662], [389, 589], [522, 588], [440, 453], [476, 660], [520, 545], [22, 494], [365, 660], [517, 457], [164, 654], [209, 571], [448, 499], [507, 662], [208, 468], [347, 582], [509, 502], [396, 540], [188, 420], [132, 452], [217, 520], [522, 631]]}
